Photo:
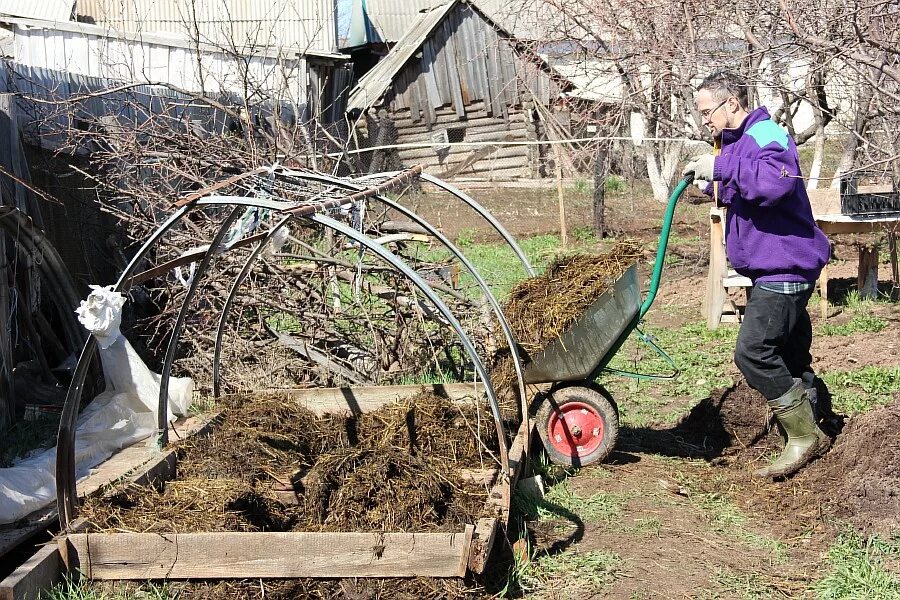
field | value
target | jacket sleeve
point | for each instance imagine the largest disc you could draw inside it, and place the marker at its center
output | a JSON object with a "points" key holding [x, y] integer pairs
{"points": [[764, 179]]}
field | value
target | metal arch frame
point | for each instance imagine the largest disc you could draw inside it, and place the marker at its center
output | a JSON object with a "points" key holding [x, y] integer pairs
{"points": [[66, 493], [162, 422], [466, 199], [65, 463], [508, 333], [423, 286], [229, 301]]}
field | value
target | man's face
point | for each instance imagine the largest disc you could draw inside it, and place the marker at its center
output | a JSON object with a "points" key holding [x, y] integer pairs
{"points": [[714, 112]]}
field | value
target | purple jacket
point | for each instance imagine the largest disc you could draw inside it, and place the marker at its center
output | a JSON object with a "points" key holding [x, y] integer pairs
{"points": [[770, 233]]}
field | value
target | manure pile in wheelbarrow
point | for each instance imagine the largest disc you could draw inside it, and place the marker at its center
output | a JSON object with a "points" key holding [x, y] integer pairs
{"points": [[271, 465], [542, 308]]}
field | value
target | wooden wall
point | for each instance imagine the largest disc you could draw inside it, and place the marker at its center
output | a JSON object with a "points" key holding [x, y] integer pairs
{"points": [[469, 81]]}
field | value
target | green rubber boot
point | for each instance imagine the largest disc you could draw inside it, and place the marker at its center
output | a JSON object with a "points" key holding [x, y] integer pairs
{"points": [[805, 440]]}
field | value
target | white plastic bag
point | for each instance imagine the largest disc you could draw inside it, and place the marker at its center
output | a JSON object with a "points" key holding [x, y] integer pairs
{"points": [[123, 414]]}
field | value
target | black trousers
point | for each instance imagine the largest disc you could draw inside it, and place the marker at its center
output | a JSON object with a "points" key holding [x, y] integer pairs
{"points": [[773, 343]]}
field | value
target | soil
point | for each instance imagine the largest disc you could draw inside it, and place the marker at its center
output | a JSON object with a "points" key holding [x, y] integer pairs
{"points": [[861, 473], [734, 422]]}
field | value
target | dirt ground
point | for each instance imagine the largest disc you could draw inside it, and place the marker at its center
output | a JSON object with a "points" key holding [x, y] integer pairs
{"points": [[691, 521]]}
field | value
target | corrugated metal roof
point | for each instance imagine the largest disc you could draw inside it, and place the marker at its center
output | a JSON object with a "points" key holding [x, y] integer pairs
{"points": [[393, 18], [159, 38], [295, 24], [90, 51], [537, 20], [51, 10], [374, 83]]}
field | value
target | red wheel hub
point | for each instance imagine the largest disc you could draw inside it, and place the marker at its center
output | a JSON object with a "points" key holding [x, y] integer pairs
{"points": [[575, 429]]}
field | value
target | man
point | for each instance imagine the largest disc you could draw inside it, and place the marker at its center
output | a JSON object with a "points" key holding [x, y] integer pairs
{"points": [[770, 237]]}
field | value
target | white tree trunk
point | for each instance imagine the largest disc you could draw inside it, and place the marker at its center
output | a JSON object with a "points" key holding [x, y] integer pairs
{"points": [[661, 176], [815, 170], [659, 185]]}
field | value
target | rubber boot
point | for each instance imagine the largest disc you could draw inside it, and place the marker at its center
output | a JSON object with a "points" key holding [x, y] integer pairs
{"points": [[805, 440]]}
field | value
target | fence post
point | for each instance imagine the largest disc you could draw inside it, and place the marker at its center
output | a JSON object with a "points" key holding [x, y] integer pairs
{"points": [[563, 233], [600, 169]]}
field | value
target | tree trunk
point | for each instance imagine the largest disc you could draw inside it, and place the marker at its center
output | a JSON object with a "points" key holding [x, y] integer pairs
{"points": [[867, 274], [851, 145], [815, 170], [661, 176]]}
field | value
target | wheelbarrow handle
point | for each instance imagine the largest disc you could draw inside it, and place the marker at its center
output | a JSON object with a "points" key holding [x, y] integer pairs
{"points": [[664, 242]]}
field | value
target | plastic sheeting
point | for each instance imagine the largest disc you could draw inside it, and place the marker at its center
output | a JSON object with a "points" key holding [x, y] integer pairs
{"points": [[123, 414]]}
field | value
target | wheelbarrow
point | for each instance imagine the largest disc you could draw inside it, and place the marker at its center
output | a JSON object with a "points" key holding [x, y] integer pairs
{"points": [[577, 419]]}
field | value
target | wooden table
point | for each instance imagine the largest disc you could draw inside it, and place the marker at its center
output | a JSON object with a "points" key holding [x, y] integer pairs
{"points": [[826, 211], [836, 224]]}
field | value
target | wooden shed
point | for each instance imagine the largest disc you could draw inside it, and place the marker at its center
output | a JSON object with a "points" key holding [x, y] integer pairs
{"points": [[457, 77]]}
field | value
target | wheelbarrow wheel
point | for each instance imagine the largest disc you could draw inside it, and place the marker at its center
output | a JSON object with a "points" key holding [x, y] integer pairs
{"points": [[578, 426]]}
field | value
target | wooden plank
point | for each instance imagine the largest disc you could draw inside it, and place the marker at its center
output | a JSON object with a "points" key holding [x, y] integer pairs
{"points": [[715, 293], [463, 564], [428, 68], [840, 227], [453, 79], [40, 572], [358, 400], [486, 68], [500, 496], [241, 555], [482, 542], [487, 476]]}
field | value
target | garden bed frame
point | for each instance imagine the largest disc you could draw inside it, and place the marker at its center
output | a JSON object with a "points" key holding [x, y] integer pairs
{"points": [[242, 555]]}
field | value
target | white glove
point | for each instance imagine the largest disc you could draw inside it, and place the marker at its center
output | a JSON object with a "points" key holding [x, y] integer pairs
{"points": [[701, 166], [701, 184]]}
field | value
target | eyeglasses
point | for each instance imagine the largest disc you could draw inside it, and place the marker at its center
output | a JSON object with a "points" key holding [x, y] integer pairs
{"points": [[709, 111]]}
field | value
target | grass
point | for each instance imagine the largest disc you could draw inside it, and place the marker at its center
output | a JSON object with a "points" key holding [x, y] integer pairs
{"points": [[861, 390], [863, 319], [857, 569], [702, 355], [82, 590], [569, 574], [204, 406], [561, 500], [601, 507], [858, 323], [726, 518], [747, 586], [432, 377], [25, 436], [499, 266]]}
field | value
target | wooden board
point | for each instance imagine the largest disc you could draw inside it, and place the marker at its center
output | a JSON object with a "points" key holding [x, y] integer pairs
{"points": [[43, 570], [267, 555], [482, 542], [824, 202], [358, 400]]}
